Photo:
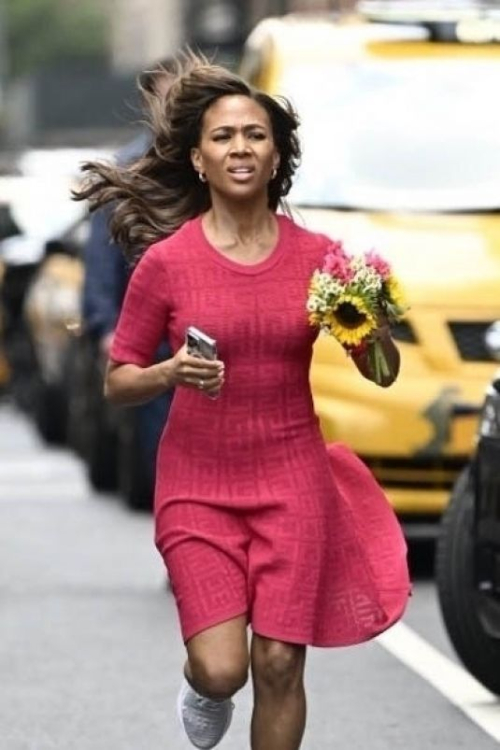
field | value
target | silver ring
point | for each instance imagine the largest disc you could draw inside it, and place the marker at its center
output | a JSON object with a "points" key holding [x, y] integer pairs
{"points": [[201, 384]]}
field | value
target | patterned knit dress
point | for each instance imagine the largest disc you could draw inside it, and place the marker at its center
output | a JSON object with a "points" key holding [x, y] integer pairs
{"points": [[246, 511]]}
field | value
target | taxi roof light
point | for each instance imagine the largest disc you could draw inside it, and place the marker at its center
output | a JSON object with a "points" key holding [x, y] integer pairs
{"points": [[465, 21], [428, 10]]}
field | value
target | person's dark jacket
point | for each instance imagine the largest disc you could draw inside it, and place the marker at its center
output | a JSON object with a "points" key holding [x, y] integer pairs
{"points": [[105, 280], [106, 270]]}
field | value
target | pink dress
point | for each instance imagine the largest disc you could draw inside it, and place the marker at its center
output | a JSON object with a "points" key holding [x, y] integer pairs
{"points": [[245, 504]]}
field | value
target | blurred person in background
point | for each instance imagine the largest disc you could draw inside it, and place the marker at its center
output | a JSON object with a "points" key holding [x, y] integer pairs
{"points": [[246, 509], [105, 280]]}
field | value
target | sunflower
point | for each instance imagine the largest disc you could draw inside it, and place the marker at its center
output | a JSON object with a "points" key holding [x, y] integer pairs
{"points": [[395, 293], [350, 321]]}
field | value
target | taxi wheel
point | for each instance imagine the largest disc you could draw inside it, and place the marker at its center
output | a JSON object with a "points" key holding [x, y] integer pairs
{"points": [[458, 597]]}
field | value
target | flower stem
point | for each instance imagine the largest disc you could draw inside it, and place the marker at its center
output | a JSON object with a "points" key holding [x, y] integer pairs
{"points": [[378, 362]]}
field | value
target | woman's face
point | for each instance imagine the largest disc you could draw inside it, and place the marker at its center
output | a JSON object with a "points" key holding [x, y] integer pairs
{"points": [[236, 152]]}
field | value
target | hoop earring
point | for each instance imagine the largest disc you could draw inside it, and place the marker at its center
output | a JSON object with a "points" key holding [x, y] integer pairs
{"points": [[202, 177], [274, 173]]}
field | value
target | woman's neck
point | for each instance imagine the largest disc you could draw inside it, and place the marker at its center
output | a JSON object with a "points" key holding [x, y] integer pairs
{"points": [[241, 233]]}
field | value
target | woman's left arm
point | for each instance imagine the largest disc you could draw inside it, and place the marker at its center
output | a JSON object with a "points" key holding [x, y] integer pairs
{"points": [[391, 354]]}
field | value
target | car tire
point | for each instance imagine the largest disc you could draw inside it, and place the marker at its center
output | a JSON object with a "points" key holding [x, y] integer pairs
{"points": [[92, 421], [101, 459], [78, 398], [458, 598], [102, 442], [135, 483], [52, 409], [51, 414]]}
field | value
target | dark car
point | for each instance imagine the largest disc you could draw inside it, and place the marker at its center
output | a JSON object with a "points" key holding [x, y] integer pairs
{"points": [[117, 445], [37, 222], [468, 549]]}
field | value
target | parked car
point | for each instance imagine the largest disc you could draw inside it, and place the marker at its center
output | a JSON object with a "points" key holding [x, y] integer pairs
{"points": [[117, 444], [468, 549], [52, 313], [401, 153], [8, 228], [113, 442], [4, 367], [19, 256], [36, 210]]}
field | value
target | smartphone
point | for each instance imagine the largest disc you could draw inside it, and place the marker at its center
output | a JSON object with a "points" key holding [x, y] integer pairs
{"points": [[199, 344]]}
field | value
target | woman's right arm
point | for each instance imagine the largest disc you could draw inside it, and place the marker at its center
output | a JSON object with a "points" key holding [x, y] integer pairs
{"points": [[129, 384]]}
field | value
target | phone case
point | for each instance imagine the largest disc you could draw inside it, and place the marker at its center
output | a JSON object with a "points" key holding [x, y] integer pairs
{"points": [[199, 344]]}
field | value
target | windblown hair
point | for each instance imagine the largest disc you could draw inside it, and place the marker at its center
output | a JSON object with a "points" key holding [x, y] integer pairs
{"points": [[152, 197]]}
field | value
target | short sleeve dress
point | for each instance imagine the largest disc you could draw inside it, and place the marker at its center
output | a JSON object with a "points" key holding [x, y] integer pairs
{"points": [[245, 510]]}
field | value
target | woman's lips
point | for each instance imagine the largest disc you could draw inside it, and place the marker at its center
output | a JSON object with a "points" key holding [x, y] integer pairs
{"points": [[241, 173]]}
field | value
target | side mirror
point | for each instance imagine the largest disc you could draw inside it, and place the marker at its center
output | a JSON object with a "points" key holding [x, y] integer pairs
{"points": [[492, 340], [8, 226]]}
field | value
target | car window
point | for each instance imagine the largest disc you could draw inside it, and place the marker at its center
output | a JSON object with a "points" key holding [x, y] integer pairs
{"points": [[416, 134]]}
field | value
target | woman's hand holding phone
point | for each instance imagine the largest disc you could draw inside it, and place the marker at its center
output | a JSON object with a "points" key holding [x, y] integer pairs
{"points": [[193, 371]]}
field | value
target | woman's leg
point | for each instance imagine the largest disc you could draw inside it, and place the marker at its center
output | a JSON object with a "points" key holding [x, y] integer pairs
{"points": [[279, 714], [217, 666], [218, 659]]}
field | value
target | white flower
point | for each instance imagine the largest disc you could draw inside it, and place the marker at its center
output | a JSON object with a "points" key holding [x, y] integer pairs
{"points": [[368, 279]]}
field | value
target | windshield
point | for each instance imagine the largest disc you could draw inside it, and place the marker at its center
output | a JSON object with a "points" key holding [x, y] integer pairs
{"points": [[408, 134]]}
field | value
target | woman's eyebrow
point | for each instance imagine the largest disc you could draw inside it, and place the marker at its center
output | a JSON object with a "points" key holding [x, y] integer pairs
{"points": [[249, 126]]}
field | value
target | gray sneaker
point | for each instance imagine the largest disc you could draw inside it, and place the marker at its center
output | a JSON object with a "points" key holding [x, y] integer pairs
{"points": [[205, 721]]}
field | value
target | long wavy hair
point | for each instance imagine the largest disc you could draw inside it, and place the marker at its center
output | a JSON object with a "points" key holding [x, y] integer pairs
{"points": [[153, 196]]}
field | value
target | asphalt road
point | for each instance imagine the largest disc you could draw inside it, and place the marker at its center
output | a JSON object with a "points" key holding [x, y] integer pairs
{"points": [[90, 654]]}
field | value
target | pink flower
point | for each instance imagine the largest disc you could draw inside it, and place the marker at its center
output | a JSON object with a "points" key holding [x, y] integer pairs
{"points": [[375, 261], [336, 263], [336, 248]]}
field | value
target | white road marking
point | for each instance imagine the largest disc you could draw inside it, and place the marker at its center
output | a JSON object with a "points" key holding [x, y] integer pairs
{"points": [[449, 678]]}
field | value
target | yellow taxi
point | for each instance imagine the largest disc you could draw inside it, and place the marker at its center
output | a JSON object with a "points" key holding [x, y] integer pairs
{"points": [[401, 153]]}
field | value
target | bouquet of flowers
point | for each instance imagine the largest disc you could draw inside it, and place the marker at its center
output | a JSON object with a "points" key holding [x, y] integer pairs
{"points": [[350, 297]]}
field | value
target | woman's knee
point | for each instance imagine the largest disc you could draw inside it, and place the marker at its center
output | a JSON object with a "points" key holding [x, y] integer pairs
{"points": [[216, 677], [277, 666], [218, 659]]}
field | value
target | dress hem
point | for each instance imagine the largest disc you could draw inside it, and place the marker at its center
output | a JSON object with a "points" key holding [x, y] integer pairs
{"points": [[330, 642]]}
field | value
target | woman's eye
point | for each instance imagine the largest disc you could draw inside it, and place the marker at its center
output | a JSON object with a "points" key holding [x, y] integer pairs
{"points": [[251, 136]]}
